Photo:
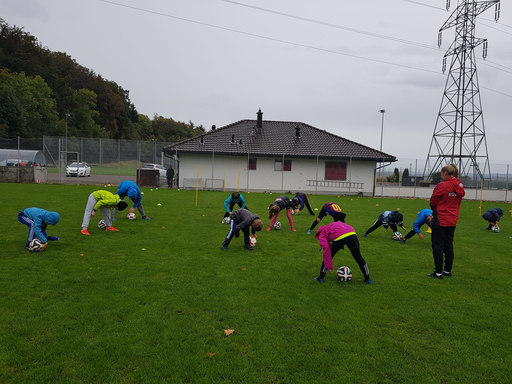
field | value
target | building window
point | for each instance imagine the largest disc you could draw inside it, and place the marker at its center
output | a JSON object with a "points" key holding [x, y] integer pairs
{"points": [[278, 165], [335, 170], [252, 164]]}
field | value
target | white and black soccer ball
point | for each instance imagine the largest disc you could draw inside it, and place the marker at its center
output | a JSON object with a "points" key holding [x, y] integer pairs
{"points": [[226, 220], [102, 224], [35, 245], [131, 216], [252, 240], [397, 236], [277, 225], [496, 229], [344, 273]]}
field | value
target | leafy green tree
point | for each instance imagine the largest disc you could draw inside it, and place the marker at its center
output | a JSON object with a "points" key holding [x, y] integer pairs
{"points": [[406, 173], [38, 108]]}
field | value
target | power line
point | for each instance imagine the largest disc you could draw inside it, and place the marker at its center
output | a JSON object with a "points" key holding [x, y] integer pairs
{"points": [[304, 45], [269, 38], [335, 26]]}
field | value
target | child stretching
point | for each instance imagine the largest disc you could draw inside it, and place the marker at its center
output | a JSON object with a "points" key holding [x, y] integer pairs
{"points": [[424, 217], [229, 203], [282, 202], [330, 209], [242, 220], [37, 219], [334, 237], [302, 199], [104, 201], [387, 219], [493, 216]]}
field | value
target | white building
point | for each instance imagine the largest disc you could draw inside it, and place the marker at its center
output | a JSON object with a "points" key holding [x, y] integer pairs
{"points": [[276, 156]]}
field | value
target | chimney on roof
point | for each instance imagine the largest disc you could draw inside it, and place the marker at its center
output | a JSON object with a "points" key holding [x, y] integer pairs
{"points": [[202, 139], [214, 127], [259, 123], [297, 131], [240, 143], [233, 139]]}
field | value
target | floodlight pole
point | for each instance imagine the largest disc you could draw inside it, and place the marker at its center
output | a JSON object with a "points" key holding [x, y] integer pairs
{"points": [[382, 111], [66, 158]]}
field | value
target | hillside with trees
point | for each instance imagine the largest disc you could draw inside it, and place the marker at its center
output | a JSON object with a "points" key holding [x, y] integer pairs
{"points": [[42, 92]]}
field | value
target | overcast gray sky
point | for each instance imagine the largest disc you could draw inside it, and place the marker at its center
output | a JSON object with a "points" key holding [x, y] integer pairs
{"points": [[329, 63]]}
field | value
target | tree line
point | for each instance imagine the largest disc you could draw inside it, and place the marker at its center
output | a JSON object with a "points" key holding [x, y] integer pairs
{"points": [[49, 93]]}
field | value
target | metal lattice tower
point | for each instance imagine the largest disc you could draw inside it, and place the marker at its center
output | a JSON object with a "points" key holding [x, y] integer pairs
{"points": [[459, 134]]}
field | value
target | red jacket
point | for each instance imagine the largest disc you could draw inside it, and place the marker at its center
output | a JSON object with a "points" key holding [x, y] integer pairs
{"points": [[445, 202]]}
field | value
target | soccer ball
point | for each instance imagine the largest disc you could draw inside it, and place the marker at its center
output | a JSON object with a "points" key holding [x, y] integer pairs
{"points": [[344, 274], [102, 224], [277, 225], [35, 245], [252, 240], [397, 236], [131, 216], [496, 229], [226, 220]]}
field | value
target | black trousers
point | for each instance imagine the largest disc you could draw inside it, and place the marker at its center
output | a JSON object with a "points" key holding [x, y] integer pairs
{"points": [[233, 232], [352, 242], [377, 224], [308, 206], [442, 247]]}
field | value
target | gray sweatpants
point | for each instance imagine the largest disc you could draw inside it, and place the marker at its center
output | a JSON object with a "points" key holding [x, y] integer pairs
{"points": [[105, 212]]}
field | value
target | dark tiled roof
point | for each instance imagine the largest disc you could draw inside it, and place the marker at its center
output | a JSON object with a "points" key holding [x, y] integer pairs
{"points": [[276, 138]]}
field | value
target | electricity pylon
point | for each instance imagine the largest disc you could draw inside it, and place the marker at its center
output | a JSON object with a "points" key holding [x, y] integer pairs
{"points": [[459, 134]]}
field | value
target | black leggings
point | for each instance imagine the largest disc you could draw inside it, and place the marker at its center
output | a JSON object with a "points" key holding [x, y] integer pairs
{"points": [[352, 242]]}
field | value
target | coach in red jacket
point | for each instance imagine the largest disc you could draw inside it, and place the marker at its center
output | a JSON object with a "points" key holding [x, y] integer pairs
{"points": [[445, 204]]}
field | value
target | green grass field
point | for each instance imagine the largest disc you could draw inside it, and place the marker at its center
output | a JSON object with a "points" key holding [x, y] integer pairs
{"points": [[150, 303]]}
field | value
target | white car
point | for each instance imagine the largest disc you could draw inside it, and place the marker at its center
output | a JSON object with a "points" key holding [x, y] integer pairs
{"points": [[160, 168], [78, 169]]}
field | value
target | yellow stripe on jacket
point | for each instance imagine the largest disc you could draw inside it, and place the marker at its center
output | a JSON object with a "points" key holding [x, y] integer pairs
{"points": [[345, 235]]}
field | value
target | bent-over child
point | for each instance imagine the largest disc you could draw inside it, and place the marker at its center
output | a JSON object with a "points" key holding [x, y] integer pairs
{"points": [[282, 202], [387, 219], [331, 209], [132, 190], [301, 199], [37, 220], [229, 203], [104, 201], [424, 217], [332, 238], [242, 220]]}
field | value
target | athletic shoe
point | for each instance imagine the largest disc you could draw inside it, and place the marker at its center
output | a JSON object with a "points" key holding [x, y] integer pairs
{"points": [[114, 219], [368, 281], [435, 275], [294, 230], [365, 234], [224, 248], [249, 248], [27, 247], [145, 218], [112, 229], [446, 273], [402, 241], [309, 231], [53, 238], [85, 232], [319, 279], [269, 228]]}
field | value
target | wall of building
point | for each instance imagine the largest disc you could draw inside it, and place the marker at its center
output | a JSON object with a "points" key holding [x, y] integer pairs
{"points": [[234, 174]]}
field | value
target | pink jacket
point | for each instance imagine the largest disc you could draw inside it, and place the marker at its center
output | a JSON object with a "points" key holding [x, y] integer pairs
{"points": [[326, 234]]}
